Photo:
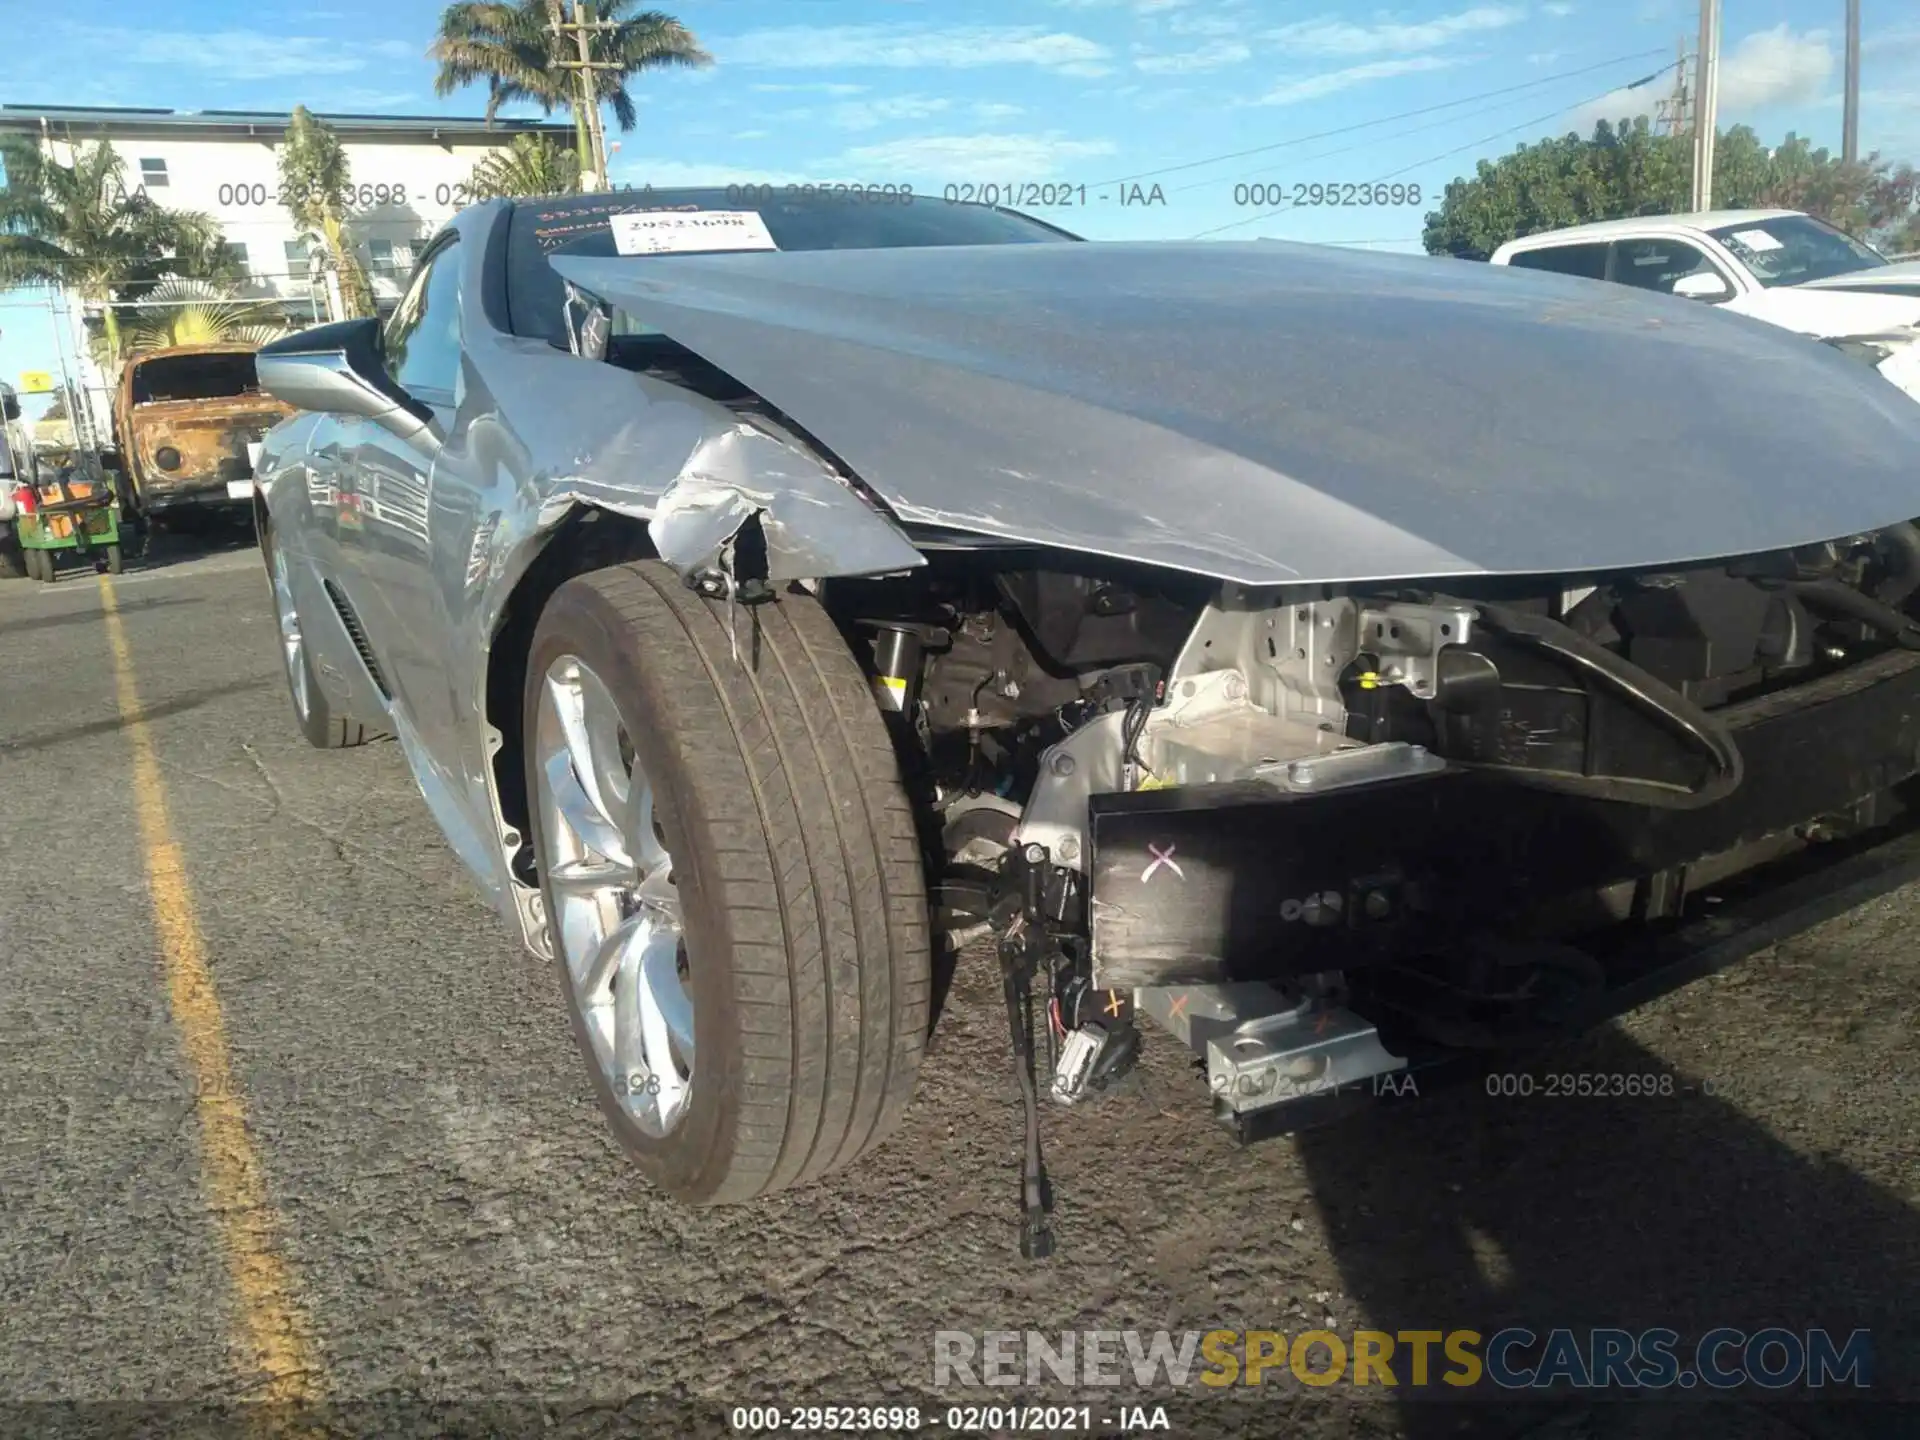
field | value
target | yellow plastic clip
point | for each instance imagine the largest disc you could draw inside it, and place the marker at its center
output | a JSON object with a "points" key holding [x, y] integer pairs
{"points": [[1370, 680]]}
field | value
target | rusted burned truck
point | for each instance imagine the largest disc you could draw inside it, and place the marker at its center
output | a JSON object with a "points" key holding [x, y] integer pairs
{"points": [[184, 418]]}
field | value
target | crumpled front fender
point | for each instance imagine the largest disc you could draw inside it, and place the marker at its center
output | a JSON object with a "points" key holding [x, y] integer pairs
{"points": [[815, 527]]}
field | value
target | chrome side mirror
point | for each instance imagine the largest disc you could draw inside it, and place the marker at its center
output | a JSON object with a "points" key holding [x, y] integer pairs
{"points": [[338, 370]]}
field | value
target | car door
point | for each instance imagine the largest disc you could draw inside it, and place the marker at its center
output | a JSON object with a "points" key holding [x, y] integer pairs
{"points": [[1585, 258], [392, 475], [1660, 262]]}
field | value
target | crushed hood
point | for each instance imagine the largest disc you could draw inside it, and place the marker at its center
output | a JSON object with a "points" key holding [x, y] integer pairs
{"points": [[1274, 413]]}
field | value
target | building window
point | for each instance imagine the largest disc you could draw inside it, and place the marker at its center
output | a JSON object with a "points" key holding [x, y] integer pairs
{"points": [[298, 265], [233, 253], [153, 173], [381, 252]]}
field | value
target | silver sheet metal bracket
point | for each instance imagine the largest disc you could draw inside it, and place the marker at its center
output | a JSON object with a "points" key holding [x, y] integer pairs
{"points": [[1265, 1047]]}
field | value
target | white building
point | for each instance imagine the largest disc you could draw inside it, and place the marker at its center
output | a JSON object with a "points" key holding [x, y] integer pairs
{"points": [[407, 173]]}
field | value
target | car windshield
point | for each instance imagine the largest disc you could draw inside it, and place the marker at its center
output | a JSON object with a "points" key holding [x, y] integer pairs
{"points": [[796, 217], [1792, 249]]}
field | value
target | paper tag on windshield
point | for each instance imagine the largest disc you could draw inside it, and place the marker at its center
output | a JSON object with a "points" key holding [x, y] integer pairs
{"points": [[671, 232], [1756, 240]]}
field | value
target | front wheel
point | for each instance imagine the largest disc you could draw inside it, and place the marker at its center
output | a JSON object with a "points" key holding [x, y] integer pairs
{"points": [[40, 565], [732, 881]]}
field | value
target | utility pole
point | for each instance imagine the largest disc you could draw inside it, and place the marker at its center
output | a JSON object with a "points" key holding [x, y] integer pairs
{"points": [[1850, 126], [1706, 103], [593, 164]]}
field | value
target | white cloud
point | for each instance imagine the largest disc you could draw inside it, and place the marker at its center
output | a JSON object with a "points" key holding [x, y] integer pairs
{"points": [[871, 114], [1775, 67], [956, 47], [359, 101], [1208, 25], [822, 87], [242, 54], [996, 110], [1211, 56], [1559, 9], [1769, 67], [750, 134], [1891, 45], [1329, 36], [948, 159], [669, 174], [1314, 87]]}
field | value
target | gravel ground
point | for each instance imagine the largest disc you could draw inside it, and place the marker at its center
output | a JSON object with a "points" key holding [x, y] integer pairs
{"points": [[468, 1253]]}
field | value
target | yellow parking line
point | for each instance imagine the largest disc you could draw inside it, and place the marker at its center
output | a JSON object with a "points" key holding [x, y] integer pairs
{"points": [[273, 1337]]}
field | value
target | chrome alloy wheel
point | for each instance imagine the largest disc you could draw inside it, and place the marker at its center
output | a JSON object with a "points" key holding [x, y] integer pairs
{"points": [[292, 646], [616, 921]]}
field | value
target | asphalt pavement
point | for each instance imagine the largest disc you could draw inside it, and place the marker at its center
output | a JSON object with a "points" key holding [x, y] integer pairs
{"points": [[288, 1118]]}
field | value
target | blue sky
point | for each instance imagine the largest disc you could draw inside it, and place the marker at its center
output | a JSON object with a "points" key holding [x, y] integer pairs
{"points": [[937, 91], [932, 92]]}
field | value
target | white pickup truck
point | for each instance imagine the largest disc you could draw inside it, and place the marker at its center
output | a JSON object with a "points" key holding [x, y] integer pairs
{"points": [[1781, 266]]}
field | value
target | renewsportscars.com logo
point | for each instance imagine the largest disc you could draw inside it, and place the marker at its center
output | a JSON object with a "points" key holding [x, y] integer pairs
{"points": [[1515, 1358]]}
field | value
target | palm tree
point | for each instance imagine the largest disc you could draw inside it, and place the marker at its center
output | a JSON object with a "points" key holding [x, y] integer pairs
{"points": [[77, 227], [199, 312], [315, 179], [529, 165], [511, 45]]}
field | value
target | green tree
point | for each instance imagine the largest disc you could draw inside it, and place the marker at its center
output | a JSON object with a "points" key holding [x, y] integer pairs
{"points": [[315, 183], [529, 165], [1624, 170], [79, 228], [201, 312], [511, 45]]}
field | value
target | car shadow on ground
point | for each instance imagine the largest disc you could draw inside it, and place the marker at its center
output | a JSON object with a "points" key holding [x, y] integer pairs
{"points": [[159, 549], [89, 616], [143, 551], [174, 705], [1467, 1210]]}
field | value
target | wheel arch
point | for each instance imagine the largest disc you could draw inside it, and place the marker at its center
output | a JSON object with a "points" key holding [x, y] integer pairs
{"points": [[588, 538]]}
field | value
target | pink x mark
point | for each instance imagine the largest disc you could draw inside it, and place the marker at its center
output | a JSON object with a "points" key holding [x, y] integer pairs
{"points": [[1161, 857]]}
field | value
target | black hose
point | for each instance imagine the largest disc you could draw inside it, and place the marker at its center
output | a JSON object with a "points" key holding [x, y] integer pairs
{"points": [[1643, 690], [1841, 599], [1904, 539]]}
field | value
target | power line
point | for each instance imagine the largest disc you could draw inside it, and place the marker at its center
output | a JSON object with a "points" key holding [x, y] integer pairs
{"points": [[1382, 120], [1360, 145], [1448, 154]]}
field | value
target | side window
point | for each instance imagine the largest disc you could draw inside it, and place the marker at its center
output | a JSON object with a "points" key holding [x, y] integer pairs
{"points": [[423, 334], [1588, 261], [1659, 264]]}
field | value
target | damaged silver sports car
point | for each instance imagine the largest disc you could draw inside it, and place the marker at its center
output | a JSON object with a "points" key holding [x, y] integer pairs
{"points": [[1357, 665]]}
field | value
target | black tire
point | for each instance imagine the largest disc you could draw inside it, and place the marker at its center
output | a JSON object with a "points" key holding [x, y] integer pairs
{"points": [[115, 561], [40, 565], [13, 557], [324, 729], [803, 897]]}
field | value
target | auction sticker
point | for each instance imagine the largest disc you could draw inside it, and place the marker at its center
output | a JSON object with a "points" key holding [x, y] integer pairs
{"points": [[673, 232]]}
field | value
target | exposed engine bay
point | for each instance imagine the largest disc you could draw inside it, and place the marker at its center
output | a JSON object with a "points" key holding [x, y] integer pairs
{"points": [[1025, 691], [1262, 734]]}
